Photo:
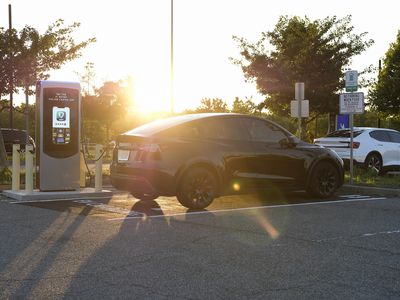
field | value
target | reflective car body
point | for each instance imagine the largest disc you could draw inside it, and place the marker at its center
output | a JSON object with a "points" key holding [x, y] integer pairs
{"points": [[238, 152], [376, 148]]}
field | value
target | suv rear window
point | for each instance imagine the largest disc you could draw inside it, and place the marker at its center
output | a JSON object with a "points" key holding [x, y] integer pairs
{"points": [[344, 133]]}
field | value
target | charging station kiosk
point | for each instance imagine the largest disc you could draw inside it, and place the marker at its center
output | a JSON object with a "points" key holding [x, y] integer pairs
{"points": [[58, 111]]}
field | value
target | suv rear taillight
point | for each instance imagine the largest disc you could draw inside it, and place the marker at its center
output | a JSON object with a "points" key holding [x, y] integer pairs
{"points": [[147, 151], [356, 145]]}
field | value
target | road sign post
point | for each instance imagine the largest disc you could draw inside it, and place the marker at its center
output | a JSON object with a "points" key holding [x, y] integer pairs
{"points": [[351, 103], [299, 108]]}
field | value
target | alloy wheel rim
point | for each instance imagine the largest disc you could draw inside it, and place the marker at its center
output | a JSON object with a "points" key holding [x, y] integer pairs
{"points": [[327, 181], [374, 164], [200, 189]]}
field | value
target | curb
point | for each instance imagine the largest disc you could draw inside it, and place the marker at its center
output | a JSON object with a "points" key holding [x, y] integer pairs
{"points": [[370, 190]]}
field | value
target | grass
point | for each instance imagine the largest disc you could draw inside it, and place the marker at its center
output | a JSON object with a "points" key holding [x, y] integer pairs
{"points": [[371, 178]]}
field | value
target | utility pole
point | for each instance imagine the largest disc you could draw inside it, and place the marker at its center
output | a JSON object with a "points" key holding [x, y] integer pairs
{"points": [[379, 69], [11, 74], [172, 56]]}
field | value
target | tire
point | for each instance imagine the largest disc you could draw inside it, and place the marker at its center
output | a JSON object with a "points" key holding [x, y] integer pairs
{"points": [[197, 189], [374, 162], [324, 180]]}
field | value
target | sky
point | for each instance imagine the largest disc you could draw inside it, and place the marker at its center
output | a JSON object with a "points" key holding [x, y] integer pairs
{"points": [[134, 39]]}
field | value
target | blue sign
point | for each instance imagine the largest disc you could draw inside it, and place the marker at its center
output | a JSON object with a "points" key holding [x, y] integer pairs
{"points": [[342, 122]]}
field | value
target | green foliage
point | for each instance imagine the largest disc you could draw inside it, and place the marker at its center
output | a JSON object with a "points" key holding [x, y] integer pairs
{"points": [[362, 176], [209, 105], [301, 50], [102, 110], [385, 93], [244, 107], [5, 176], [28, 56]]}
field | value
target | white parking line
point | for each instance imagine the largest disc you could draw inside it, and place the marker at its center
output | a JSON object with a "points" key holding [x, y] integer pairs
{"points": [[367, 198]]}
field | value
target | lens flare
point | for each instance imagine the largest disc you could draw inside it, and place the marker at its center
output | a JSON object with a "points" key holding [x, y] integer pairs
{"points": [[236, 187]]}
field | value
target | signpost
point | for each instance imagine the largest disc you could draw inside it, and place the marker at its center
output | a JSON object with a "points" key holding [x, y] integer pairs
{"points": [[299, 108], [351, 103]]}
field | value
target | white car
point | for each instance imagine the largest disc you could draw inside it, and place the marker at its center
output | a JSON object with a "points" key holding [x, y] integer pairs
{"points": [[374, 148]]}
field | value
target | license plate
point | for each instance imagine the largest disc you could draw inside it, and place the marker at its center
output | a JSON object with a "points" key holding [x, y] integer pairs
{"points": [[123, 155]]}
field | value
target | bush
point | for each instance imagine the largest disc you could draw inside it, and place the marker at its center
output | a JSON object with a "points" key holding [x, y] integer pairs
{"points": [[5, 176]]}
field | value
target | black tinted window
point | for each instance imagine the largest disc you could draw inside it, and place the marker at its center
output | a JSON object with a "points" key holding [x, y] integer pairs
{"points": [[263, 131], [223, 128], [190, 130], [344, 133], [380, 135], [394, 136]]}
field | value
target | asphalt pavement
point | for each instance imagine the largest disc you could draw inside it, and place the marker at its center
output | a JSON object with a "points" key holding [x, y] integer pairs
{"points": [[243, 247]]}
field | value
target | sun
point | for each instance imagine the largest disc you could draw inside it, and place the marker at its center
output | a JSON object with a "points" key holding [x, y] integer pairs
{"points": [[151, 94]]}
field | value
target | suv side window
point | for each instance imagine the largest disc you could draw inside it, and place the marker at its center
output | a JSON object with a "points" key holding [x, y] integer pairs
{"points": [[189, 131], [263, 131], [223, 128], [380, 135], [394, 136]]}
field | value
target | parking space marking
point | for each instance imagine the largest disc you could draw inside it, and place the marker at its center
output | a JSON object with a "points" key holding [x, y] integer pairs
{"points": [[57, 200], [367, 198], [354, 196]]}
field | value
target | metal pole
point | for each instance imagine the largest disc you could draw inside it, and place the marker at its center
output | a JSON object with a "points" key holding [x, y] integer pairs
{"points": [[172, 56], [29, 169], [99, 169], [299, 96], [16, 168], [351, 146], [27, 115], [299, 120], [11, 74]]}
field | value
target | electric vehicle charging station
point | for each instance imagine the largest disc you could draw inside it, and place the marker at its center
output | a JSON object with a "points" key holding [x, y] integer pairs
{"points": [[58, 111], [58, 114]]}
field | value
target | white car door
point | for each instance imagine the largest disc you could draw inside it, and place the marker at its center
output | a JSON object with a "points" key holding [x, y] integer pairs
{"points": [[385, 147], [395, 139]]}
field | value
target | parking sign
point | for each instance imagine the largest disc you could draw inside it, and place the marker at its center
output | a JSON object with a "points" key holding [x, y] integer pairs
{"points": [[351, 103]]}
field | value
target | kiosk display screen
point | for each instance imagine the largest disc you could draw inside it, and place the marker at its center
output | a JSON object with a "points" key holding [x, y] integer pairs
{"points": [[60, 121]]}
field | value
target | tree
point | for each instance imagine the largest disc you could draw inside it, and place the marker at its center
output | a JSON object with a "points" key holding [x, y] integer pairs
{"points": [[243, 107], [108, 105], [87, 77], [212, 105], [49, 51], [28, 56], [300, 50], [385, 93]]}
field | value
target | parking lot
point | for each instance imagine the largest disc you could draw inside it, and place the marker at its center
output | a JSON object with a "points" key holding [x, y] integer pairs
{"points": [[123, 206], [249, 246]]}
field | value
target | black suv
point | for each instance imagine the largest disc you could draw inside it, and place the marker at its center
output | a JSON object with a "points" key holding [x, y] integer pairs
{"points": [[15, 136], [202, 156]]}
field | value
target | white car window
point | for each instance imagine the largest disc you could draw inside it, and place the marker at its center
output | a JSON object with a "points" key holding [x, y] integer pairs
{"points": [[380, 135], [394, 137]]}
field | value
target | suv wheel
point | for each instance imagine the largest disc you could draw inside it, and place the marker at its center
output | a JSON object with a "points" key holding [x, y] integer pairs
{"points": [[324, 180], [197, 189], [374, 162]]}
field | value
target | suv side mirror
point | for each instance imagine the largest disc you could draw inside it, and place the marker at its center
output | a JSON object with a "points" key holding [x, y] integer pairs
{"points": [[289, 142]]}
